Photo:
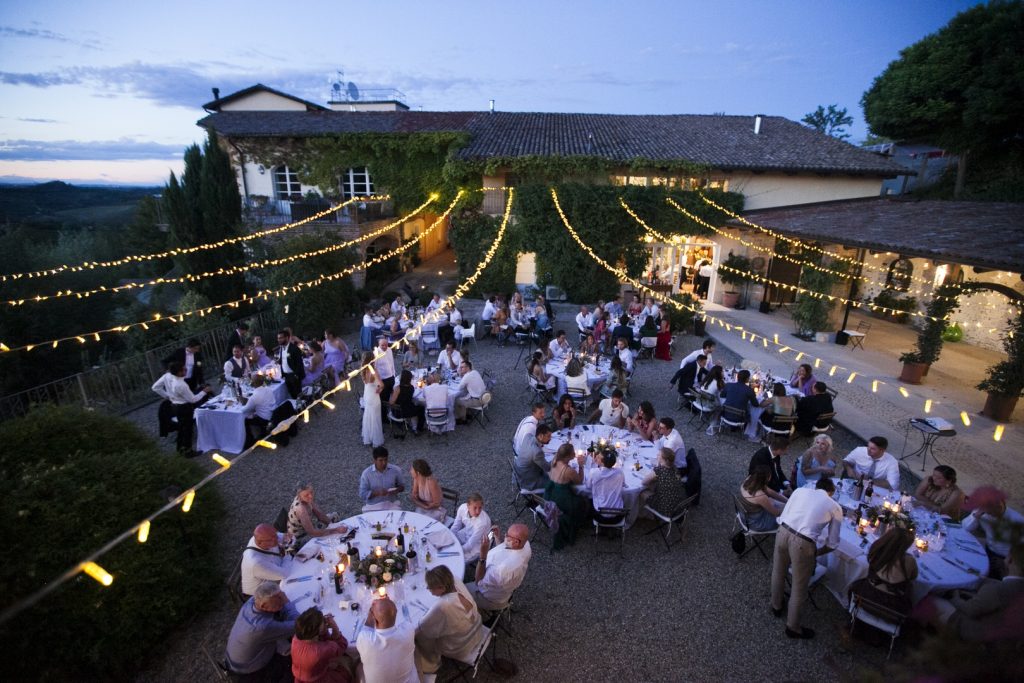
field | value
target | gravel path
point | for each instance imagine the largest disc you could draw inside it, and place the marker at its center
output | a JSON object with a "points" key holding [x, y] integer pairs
{"points": [[695, 613]]}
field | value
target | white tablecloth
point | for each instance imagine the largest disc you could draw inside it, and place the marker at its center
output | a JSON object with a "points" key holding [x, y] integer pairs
{"points": [[220, 423], [757, 411], [308, 579], [453, 387], [960, 564], [596, 374], [634, 450]]}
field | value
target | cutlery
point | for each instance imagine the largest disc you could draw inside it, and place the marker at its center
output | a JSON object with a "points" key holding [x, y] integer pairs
{"points": [[430, 525], [402, 518], [447, 554], [300, 578], [405, 612], [958, 565]]}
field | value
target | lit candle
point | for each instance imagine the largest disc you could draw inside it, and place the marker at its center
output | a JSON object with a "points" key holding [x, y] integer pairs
{"points": [[895, 507], [382, 592], [922, 544], [378, 551], [886, 505]]}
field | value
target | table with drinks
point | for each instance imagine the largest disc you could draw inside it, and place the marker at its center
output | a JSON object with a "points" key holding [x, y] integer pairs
{"points": [[220, 422], [762, 382], [448, 379], [595, 366]]}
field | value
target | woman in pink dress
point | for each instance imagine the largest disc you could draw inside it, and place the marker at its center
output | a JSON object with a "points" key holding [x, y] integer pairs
{"points": [[318, 650]]}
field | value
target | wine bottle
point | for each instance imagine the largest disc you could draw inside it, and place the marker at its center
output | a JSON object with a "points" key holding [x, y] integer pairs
{"points": [[858, 490], [870, 491], [400, 540]]}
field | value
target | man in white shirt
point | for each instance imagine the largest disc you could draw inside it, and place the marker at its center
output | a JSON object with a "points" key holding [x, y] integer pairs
{"points": [[264, 558], [558, 346], [990, 514], [809, 514], [470, 526], [612, 410], [435, 303], [605, 482], [384, 364], [528, 425], [706, 349], [236, 367], [650, 309], [625, 355], [449, 359], [671, 439], [489, 310], [471, 390], [386, 649], [172, 387], [517, 318], [584, 321], [258, 409], [501, 569], [435, 394], [874, 464], [398, 307]]}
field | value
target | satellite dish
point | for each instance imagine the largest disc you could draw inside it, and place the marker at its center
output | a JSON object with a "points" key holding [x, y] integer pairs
{"points": [[336, 87], [353, 91]]}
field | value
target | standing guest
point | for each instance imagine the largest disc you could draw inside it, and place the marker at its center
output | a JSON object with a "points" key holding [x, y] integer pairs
{"points": [[939, 493], [528, 425], [316, 364], [691, 375], [237, 336], [624, 353], [663, 489], [412, 358], [449, 359], [803, 379], [191, 358], [386, 648], [403, 398], [470, 526], [470, 392], [564, 414], [874, 464], [809, 514], [264, 558], [425, 493], [260, 634], [172, 387], [435, 303], [306, 519], [385, 367], [499, 322], [606, 482], [258, 410], [373, 424], [667, 436], [501, 569], [810, 408], [237, 366], [289, 357], [559, 347], [706, 349], [761, 505], [891, 571], [816, 462], [990, 515], [617, 378], [613, 411], [559, 490], [584, 320], [530, 464], [644, 422], [576, 377], [452, 628], [535, 366], [336, 355], [380, 483], [369, 330], [601, 331], [455, 317], [318, 650], [770, 457], [663, 350], [705, 271]]}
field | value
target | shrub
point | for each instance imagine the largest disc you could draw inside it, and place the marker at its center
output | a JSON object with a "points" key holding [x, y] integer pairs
{"points": [[73, 480]]}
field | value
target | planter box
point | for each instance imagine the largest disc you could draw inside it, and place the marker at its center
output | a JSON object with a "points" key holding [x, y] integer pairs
{"points": [[730, 299], [913, 372]]}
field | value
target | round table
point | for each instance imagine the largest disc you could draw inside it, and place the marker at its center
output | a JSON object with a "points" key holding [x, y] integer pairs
{"points": [[311, 582], [596, 374], [452, 383], [765, 392], [633, 450]]}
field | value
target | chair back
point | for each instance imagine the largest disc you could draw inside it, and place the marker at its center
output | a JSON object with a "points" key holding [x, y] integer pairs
{"points": [[741, 513], [485, 400], [823, 422], [863, 326], [452, 496], [693, 476], [648, 342], [579, 397], [732, 416]]}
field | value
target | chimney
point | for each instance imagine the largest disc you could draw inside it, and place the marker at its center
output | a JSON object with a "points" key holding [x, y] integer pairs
{"points": [[492, 106], [216, 94], [757, 124]]}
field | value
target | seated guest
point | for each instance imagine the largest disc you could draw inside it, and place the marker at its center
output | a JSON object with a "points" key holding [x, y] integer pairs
{"points": [[738, 394], [777, 405], [615, 308], [939, 493], [380, 483], [706, 349], [306, 519], [623, 331], [318, 650], [426, 492], [452, 627], [606, 482], [803, 379], [770, 457], [499, 322], [649, 328], [891, 571], [386, 648], [588, 347], [564, 414], [602, 331], [559, 346], [518, 320], [635, 306], [403, 399], [816, 462], [990, 515], [530, 464], [535, 366], [562, 479], [761, 505], [260, 357], [993, 613], [584, 321], [711, 388], [336, 355], [663, 489], [576, 378], [874, 464], [528, 425], [398, 307], [316, 364], [435, 394], [261, 630], [471, 524], [172, 387], [650, 309], [412, 358], [613, 411], [237, 366], [624, 353], [449, 359], [667, 436], [542, 324], [501, 569], [644, 422], [435, 303], [264, 558], [470, 392], [690, 376], [258, 409], [808, 408], [617, 378], [490, 308]]}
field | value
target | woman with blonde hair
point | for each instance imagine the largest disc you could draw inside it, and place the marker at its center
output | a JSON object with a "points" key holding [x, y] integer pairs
{"points": [[453, 627], [817, 461]]}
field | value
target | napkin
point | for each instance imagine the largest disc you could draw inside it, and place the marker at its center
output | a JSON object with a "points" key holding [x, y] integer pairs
{"points": [[440, 539]]}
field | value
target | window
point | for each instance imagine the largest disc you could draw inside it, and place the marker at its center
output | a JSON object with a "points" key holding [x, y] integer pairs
{"points": [[286, 183], [356, 182], [899, 275]]}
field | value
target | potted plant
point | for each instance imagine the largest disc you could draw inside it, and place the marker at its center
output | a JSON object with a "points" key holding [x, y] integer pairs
{"points": [[929, 338], [736, 271], [1005, 381]]}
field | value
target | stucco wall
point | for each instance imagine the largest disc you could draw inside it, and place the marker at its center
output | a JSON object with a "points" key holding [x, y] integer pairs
{"points": [[761, 191], [263, 101]]}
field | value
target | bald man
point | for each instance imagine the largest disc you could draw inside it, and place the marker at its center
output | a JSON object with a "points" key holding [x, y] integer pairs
{"points": [[264, 558], [385, 648], [501, 569]]}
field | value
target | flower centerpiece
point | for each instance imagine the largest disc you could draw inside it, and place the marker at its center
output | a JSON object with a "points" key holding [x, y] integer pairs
{"points": [[887, 516], [380, 569], [601, 448]]}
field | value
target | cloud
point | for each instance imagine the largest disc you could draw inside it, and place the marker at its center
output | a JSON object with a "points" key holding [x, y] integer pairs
{"points": [[43, 34], [77, 150], [32, 120]]}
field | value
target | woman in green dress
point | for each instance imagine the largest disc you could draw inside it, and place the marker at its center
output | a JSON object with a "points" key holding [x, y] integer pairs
{"points": [[559, 491]]}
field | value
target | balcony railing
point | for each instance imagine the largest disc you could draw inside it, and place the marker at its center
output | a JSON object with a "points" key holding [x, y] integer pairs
{"points": [[273, 212]]}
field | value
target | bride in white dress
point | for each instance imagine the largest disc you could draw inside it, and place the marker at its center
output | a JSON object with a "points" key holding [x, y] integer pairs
{"points": [[373, 428]]}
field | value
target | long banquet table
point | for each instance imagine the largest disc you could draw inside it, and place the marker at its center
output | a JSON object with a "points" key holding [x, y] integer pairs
{"points": [[220, 422]]}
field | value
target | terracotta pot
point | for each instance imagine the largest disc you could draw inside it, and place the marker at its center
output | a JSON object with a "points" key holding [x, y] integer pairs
{"points": [[927, 367], [913, 372], [999, 407], [730, 299]]}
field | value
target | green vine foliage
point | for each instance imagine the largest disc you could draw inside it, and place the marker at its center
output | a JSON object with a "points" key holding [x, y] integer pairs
{"points": [[472, 234], [811, 313], [1007, 377], [929, 339]]}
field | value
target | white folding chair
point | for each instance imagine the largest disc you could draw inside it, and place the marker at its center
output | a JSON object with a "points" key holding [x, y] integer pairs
{"points": [[437, 420], [522, 494], [469, 669], [733, 418], [621, 513], [755, 537], [468, 334], [877, 615], [647, 346], [428, 338]]}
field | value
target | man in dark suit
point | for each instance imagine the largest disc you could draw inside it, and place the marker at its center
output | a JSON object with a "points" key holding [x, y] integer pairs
{"points": [[289, 356], [624, 331], [690, 375], [237, 338], [191, 359], [771, 457], [808, 408]]}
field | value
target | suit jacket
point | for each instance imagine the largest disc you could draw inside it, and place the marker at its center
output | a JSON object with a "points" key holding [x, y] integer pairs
{"points": [[294, 359], [990, 614], [178, 355], [740, 396], [808, 408], [763, 457], [624, 331], [687, 374]]}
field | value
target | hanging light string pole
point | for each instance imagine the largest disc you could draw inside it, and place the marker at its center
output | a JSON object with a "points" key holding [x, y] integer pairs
{"points": [[141, 531]]}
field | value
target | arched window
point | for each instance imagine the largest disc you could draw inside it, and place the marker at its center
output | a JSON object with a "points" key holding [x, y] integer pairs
{"points": [[356, 182], [286, 183], [900, 272]]}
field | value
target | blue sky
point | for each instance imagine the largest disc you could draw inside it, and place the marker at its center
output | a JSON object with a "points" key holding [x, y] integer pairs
{"points": [[111, 91]]}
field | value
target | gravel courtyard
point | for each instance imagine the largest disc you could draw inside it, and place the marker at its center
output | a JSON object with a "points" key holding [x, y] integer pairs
{"points": [[694, 613]]}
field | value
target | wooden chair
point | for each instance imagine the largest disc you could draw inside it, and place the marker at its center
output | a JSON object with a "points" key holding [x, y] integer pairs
{"points": [[780, 425], [451, 496], [823, 423], [733, 418], [579, 399]]}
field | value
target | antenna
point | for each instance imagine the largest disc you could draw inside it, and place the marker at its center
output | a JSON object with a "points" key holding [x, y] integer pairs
{"points": [[353, 91]]}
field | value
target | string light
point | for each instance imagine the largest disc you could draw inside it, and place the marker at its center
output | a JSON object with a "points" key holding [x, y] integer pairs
{"points": [[144, 531], [97, 572], [966, 418], [904, 393], [190, 497], [268, 444], [997, 435], [221, 460], [138, 258]]}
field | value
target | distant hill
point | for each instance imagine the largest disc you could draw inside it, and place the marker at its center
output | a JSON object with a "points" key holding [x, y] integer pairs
{"points": [[60, 202]]}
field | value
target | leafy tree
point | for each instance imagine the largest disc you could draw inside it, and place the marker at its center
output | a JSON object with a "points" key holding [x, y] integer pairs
{"points": [[832, 121], [961, 88]]}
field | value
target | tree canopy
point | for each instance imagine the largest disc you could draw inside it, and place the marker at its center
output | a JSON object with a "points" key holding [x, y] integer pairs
{"points": [[832, 121]]}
